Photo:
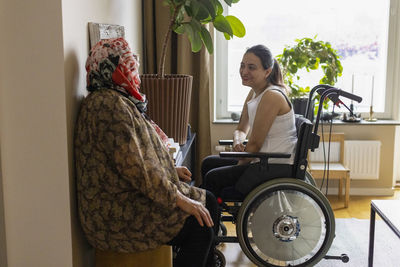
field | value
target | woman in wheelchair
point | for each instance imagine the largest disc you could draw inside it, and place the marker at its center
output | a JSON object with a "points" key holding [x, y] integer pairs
{"points": [[267, 117], [264, 189]]}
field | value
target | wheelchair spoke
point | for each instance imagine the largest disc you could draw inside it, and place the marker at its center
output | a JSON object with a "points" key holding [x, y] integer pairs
{"points": [[285, 227]]}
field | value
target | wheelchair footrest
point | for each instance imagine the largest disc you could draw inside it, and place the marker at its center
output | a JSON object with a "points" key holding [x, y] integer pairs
{"points": [[344, 258], [227, 218], [227, 239]]}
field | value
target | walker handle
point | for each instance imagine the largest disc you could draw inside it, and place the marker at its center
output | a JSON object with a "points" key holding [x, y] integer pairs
{"points": [[350, 96]]}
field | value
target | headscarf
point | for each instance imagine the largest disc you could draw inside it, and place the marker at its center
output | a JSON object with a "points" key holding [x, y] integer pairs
{"points": [[112, 65]]}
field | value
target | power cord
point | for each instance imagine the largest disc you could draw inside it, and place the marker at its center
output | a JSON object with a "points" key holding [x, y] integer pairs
{"points": [[326, 159]]}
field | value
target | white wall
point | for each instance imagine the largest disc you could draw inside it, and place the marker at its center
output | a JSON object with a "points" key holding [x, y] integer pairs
{"points": [[77, 14], [44, 44], [33, 135]]}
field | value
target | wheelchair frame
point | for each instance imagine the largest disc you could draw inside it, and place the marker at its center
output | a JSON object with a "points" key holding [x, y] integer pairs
{"points": [[287, 237]]}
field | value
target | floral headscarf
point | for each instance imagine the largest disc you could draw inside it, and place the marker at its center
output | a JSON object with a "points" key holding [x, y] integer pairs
{"points": [[112, 65]]}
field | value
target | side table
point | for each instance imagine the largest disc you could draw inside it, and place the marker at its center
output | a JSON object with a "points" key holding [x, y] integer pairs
{"points": [[389, 211], [188, 158]]}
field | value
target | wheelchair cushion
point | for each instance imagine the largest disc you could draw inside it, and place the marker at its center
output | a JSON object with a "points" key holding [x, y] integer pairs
{"points": [[257, 174], [230, 194]]}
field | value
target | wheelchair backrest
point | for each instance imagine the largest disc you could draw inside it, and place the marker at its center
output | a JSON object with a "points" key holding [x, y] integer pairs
{"points": [[306, 140]]}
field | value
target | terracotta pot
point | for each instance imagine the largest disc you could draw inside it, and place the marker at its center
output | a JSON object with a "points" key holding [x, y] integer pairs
{"points": [[169, 103]]}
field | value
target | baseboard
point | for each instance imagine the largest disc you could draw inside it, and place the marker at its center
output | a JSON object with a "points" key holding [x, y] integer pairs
{"points": [[363, 191]]}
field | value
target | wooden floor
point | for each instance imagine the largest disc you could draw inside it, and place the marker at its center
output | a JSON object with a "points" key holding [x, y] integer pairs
{"points": [[359, 207]]}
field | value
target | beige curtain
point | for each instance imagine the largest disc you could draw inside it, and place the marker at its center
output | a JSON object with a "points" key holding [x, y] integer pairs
{"points": [[180, 60]]}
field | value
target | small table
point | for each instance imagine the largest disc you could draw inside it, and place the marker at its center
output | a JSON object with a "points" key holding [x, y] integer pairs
{"points": [[188, 155], [389, 211]]}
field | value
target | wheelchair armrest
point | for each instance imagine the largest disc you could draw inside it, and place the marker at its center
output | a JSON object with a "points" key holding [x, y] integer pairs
{"points": [[229, 142], [260, 155]]}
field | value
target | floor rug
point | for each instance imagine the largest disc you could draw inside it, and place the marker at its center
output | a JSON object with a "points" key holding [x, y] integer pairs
{"points": [[352, 238]]}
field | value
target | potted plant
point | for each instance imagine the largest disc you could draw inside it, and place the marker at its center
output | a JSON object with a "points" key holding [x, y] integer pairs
{"points": [[169, 94], [308, 54]]}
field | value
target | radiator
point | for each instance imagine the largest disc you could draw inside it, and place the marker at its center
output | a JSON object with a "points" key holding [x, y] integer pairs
{"points": [[361, 157]]}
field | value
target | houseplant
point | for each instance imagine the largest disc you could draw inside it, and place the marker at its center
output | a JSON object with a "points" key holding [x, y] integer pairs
{"points": [[169, 94], [308, 54]]}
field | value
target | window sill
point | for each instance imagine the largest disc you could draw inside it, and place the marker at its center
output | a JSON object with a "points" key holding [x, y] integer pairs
{"points": [[224, 121], [335, 122], [364, 122]]}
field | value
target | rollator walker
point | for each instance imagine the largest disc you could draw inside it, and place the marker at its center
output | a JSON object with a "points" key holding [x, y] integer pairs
{"points": [[285, 221]]}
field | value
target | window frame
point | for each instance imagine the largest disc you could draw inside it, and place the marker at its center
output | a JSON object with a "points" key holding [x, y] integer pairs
{"points": [[392, 67]]}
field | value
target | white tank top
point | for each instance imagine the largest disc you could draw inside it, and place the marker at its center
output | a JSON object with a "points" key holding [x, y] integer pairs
{"points": [[282, 136]]}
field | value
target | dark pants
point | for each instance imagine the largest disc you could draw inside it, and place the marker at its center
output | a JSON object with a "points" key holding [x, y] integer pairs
{"points": [[195, 244], [219, 173]]}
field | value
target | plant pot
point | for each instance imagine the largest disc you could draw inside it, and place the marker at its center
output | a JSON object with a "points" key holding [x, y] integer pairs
{"points": [[169, 103]]}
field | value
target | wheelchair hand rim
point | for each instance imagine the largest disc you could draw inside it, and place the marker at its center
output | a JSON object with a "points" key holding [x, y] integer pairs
{"points": [[314, 197]]}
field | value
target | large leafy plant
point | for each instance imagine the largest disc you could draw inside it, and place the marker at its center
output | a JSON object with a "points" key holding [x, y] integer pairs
{"points": [[309, 54], [191, 16]]}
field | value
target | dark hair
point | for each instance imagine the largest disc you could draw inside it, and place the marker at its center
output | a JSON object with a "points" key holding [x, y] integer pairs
{"points": [[268, 61]]}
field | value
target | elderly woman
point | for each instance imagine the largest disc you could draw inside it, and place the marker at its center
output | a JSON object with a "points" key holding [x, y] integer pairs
{"points": [[130, 195]]}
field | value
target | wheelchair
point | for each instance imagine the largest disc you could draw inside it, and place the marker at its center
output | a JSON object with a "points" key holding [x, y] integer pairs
{"points": [[285, 221]]}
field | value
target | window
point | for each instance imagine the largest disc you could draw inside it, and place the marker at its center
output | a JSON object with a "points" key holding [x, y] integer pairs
{"points": [[362, 31]]}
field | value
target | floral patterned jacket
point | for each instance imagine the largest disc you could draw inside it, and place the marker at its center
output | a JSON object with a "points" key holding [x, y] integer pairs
{"points": [[126, 180]]}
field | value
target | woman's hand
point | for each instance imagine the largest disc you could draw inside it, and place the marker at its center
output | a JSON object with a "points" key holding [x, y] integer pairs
{"points": [[194, 208], [183, 173], [238, 139], [239, 147]]}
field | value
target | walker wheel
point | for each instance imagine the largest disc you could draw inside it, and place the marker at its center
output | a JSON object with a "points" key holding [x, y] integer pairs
{"points": [[345, 258], [222, 229], [219, 258]]}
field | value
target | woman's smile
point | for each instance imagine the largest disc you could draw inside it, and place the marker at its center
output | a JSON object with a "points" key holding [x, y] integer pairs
{"points": [[245, 79]]}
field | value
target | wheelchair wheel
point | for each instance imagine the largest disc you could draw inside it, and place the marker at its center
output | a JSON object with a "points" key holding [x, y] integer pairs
{"points": [[309, 179], [285, 222]]}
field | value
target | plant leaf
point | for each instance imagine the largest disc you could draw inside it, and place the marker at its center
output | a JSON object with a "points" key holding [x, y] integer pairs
{"points": [[206, 38], [193, 36], [196, 25], [211, 8], [202, 12], [196, 42], [237, 26], [227, 37], [228, 2], [309, 54], [180, 16], [188, 10], [195, 7], [218, 7], [222, 25], [180, 29]]}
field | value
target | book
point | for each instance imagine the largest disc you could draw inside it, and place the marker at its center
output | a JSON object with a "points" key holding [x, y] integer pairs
{"points": [[173, 149]]}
